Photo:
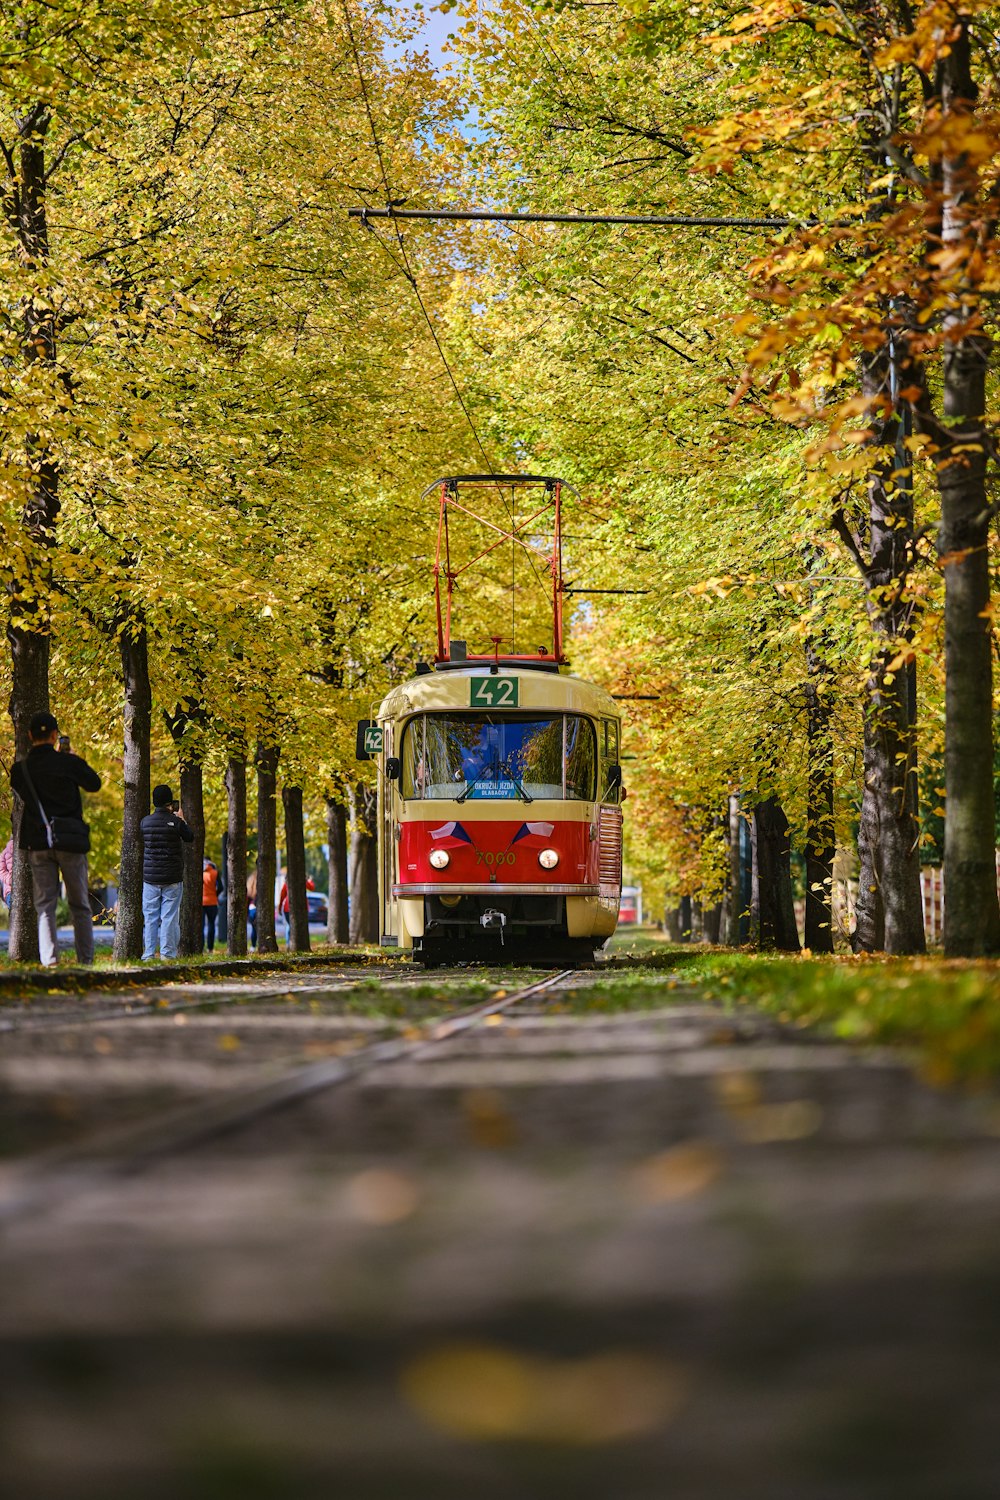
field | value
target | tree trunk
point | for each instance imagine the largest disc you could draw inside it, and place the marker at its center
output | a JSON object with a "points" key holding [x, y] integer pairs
{"points": [[28, 629], [183, 724], [236, 857], [738, 904], [192, 799], [964, 443], [672, 923], [135, 771], [364, 865], [772, 910], [338, 930], [267, 841], [712, 923], [887, 757], [295, 865], [820, 848], [890, 825], [29, 695], [869, 916]]}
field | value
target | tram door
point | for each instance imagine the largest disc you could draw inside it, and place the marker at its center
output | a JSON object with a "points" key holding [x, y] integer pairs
{"points": [[388, 847]]}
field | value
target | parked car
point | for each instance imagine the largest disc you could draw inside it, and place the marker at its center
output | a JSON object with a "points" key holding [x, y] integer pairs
{"points": [[318, 908]]}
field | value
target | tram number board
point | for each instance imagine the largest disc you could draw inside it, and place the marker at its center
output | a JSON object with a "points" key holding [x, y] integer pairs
{"points": [[493, 692], [369, 742]]}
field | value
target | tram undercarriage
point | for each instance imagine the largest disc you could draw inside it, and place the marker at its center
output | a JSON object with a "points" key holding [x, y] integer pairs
{"points": [[490, 928], [494, 929]]}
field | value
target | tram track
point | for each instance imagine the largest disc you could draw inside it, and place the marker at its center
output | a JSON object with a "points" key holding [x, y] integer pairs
{"points": [[138, 1147], [138, 1009], [135, 1008]]}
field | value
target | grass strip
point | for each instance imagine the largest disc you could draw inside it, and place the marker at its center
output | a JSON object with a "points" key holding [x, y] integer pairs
{"points": [[945, 1010]]}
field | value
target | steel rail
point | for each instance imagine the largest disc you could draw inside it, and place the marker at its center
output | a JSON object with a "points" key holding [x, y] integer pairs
{"points": [[137, 1148]]}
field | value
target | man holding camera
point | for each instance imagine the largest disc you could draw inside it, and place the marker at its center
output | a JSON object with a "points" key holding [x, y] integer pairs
{"points": [[163, 833], [55, 835]]}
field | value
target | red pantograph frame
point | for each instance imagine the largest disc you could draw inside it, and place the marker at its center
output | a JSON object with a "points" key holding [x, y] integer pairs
{"points": [[448, 491]]}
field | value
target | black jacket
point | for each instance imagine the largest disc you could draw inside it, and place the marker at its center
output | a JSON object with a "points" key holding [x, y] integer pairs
{"points": [[162, 857], [57, 777]]}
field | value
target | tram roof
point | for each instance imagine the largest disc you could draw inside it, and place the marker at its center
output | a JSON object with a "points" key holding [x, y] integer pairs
{"points": [[536, 692]]}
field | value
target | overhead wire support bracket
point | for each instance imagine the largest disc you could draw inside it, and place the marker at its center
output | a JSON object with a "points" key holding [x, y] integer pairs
{"points": [[655, 221]]}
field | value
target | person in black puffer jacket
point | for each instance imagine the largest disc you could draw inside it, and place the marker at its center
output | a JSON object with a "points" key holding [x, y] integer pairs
{"points": [[163, 833]]}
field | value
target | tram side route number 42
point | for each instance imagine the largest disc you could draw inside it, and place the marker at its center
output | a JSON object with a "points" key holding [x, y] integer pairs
{"points": [[369, 741]]}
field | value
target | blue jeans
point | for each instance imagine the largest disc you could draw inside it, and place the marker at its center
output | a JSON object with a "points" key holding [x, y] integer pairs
{"points": [[161, 919]]}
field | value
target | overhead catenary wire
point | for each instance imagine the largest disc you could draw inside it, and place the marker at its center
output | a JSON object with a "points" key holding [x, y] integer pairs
{"points": [[407, 270], [393, 212], [655, 221], [407, 267]]}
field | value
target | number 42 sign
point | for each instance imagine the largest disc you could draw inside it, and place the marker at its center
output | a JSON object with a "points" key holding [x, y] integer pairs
{"points": [[493, 692], [369, 740]]}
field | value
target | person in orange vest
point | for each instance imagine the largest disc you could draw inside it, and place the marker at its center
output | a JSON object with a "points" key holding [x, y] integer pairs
{"points": [[210, 889], [283, 904]]}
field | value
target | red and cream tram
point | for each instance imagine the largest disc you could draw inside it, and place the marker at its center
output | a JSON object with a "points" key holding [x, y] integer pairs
{"points": [[499, 797]]}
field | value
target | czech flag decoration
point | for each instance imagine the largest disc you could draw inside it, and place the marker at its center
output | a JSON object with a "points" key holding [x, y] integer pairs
{"points": [[539, 832], [450, 836]]}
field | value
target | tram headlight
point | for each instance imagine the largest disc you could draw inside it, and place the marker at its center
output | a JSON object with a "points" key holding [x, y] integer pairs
{"points": [[440, 859], [548, 859]]}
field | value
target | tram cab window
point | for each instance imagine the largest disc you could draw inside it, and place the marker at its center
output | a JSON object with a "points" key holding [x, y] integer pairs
{"points": [[494, 757], [581, 759], [609, 757]]}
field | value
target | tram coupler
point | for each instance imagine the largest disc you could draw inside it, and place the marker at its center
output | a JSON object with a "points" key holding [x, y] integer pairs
{"points": [[493, 921]]}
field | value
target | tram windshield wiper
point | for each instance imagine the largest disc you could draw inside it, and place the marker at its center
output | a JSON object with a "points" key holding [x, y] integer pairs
{"points": [[524, 796], [485, 774], [490, 773]]}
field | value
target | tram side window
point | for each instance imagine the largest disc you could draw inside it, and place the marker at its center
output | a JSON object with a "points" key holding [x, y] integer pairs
{"points": [[581, 759], [610, 757], [414, 758]]}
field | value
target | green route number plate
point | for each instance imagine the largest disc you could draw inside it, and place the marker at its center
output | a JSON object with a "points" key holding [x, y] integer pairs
{"points": [[369, 741], [493, 692]]}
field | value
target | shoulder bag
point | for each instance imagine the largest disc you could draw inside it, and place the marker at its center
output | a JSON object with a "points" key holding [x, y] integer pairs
{"points": [[69, 835]]}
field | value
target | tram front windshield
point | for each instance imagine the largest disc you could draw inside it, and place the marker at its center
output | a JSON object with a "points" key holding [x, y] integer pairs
{"points": [[490, 757]]}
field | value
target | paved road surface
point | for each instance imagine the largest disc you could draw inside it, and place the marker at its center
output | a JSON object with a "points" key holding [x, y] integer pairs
{"points": [[607, 1256]]}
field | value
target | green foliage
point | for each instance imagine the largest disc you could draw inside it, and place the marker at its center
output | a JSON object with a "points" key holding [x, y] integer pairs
{"points": [[702, 387], [238, 392], [240, 398]]}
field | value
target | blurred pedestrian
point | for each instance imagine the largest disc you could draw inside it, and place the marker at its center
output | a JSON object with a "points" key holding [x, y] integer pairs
{"points": [[252, 906], [7, 871], [211, 886], [283, 904], [163, 834], [55, 835]]}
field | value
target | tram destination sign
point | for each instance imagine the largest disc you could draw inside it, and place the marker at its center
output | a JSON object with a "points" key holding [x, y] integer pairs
{"points": [[493, 692]]}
